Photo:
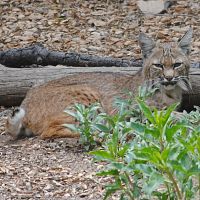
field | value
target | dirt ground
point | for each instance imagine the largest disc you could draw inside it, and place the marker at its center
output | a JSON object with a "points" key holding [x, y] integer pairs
{"points": [[59, 169], [35, 169]]}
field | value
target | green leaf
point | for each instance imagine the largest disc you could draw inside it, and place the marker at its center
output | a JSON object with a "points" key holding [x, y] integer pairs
{"points": [[123, 150], [110, 191], [102, 155], [165, 154], [195, 170], [112, 172], [109, 119], [115, 140], [80, 107], [146, 110], [102, 128], [177, 167], [185, 161], [123, 197], [71, 113], [174, 153], [126, 130], [119, 166], [155, 132], [172, 130], [71, 127], [168, 112], [94, 107], [112, 188], [161, 195], [144, 168], [138, 127], [154, 182]]}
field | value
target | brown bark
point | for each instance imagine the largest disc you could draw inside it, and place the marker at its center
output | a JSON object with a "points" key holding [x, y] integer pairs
{"points": [[15, 82]]}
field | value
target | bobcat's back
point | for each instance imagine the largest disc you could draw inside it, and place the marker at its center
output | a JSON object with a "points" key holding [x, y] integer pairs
{"points": [[44, 105]]}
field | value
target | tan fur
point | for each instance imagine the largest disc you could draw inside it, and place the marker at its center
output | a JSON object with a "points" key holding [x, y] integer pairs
{"points": [[168, 95], [44, 105]]}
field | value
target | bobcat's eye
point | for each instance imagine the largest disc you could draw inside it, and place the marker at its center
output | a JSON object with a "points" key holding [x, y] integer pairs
{"points": [[176, 65], [160, 66]]}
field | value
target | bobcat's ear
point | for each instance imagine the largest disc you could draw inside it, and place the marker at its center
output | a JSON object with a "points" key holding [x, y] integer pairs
{"points": [[146, 44], [185, 42]]}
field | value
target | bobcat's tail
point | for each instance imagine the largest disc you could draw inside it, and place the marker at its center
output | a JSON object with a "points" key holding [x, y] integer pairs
{"points": [[14, 125]]}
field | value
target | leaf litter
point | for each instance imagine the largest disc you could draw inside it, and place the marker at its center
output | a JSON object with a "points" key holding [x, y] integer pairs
{"points": [[58, 169]]}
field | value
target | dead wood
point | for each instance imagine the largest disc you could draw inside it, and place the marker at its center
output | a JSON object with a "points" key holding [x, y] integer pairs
{"points": [[38, 55], [15, 82]]}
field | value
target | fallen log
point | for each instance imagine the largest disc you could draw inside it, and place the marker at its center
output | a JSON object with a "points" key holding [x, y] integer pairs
{"points": [[38, 55], [15, 82]]}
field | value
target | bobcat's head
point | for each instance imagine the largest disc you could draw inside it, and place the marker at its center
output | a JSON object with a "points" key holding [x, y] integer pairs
{"points": [[167, 65]]}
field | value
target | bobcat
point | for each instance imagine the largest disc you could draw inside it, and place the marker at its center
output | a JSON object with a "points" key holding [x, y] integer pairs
{"points": [[41, 112]]}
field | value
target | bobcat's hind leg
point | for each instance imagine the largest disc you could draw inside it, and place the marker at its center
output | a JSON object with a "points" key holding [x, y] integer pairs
{"points": [[53, 128]]}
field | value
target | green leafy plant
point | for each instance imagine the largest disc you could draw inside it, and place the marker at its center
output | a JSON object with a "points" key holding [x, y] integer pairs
{"points": [[148, 153], [193, 118], [86, 118]]}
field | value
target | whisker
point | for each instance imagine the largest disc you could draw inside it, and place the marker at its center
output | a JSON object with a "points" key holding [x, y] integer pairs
{"points": [[151, 84], [185, 84], [180, 77], [156, 84], [183, 76]]}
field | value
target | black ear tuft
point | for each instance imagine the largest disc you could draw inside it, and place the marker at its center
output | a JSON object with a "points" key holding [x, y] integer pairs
{"points": [[146, 44], [185, 41]]}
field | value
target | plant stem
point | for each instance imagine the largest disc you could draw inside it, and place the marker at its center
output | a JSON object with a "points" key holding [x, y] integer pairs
{"points": [[161, 139], [199, 185], [168, 189], [130, 184], [130, 195], [127, 192], [171, 177], [161, 144]]}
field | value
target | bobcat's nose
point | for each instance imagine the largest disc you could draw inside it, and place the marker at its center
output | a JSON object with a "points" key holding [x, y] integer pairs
{"points": [[169, 78]]}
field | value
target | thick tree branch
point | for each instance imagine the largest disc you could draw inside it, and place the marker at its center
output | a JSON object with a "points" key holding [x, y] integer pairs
{"points": [[39, 55], [15, 82]]}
